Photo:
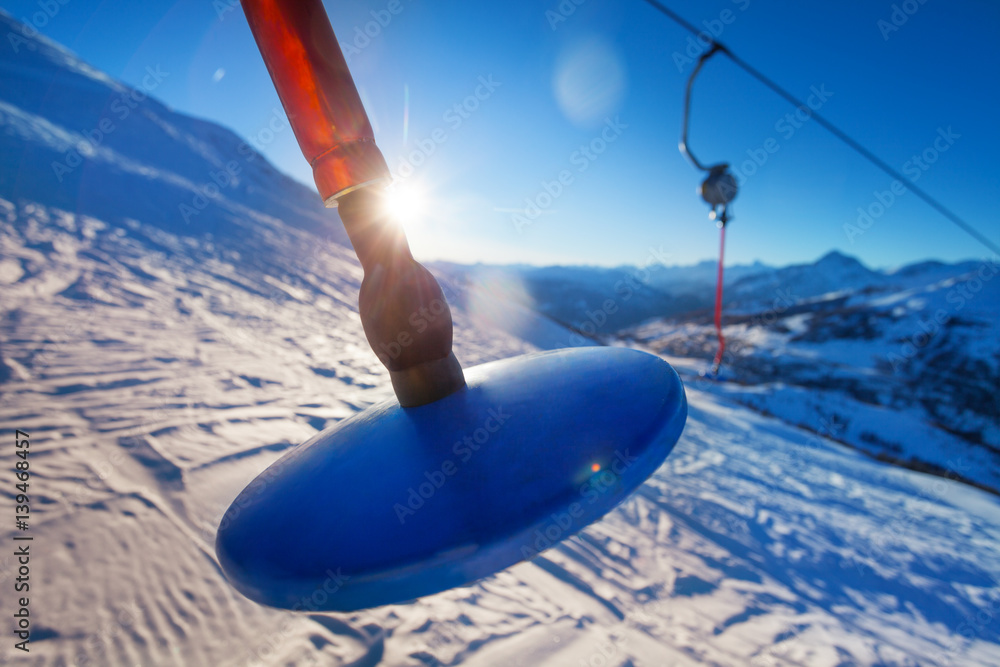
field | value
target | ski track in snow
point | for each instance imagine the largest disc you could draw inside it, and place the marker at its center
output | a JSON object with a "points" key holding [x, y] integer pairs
{"points": [[156, 384]]}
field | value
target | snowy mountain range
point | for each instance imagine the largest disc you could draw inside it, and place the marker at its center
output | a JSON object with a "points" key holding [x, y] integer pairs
{"points": [[903, 364], [165, 340], [641, 293]]}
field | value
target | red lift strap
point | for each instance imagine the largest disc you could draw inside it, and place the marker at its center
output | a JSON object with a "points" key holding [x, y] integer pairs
{"points": [[718, 303]]}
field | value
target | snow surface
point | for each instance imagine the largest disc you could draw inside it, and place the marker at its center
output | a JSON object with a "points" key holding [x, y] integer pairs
{"points": [[905, 367], [154, 387], [158, 367]]}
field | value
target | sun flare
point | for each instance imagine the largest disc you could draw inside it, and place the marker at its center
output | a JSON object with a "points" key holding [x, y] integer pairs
{"points": [[406, 204]]}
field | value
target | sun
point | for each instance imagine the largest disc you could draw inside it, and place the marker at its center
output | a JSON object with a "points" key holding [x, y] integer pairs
{"points": [[406, 203]]}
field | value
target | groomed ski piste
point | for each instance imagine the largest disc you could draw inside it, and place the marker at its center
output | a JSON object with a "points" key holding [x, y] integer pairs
{"points": [[158, 367]]}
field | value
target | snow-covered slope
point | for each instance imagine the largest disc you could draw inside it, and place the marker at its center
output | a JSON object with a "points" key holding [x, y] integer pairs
{"points": [[905, 366], [831, 274], [158, 370], [75, 138], [155, 385]]}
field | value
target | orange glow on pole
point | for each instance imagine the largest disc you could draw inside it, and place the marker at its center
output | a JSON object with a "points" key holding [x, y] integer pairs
{"points": [[318, 93]]}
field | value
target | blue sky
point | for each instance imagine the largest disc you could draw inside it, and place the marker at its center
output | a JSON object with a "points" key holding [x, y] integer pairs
{"points": [[611, 76]]}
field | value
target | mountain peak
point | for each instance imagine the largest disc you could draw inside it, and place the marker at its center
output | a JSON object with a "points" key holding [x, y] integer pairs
{"points": [[839, 259]]}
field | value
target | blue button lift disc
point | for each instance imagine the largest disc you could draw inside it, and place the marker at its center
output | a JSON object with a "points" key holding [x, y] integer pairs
{"points": [[396, 503]]}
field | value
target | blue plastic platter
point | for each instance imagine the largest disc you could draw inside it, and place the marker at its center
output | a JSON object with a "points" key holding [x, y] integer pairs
{"points": [[396, 503]]}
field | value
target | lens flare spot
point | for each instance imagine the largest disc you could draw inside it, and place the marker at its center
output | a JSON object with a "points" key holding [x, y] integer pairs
{"points": [[589, 82], [500, 300]]}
